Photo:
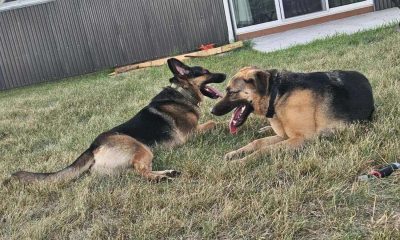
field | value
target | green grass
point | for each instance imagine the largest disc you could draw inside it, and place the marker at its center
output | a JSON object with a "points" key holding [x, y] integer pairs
{"points": [[311, 194]]}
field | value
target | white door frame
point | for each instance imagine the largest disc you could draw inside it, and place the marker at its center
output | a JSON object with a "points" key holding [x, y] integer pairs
{"points": [[229, 21], [281, 20]]}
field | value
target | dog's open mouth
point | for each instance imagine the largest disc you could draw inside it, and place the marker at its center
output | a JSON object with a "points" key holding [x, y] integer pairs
{"points": [[239, 116], [210, 92]]}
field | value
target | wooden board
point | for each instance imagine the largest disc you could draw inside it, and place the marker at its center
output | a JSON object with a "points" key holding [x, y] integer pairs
{"points": [[162, 61]]}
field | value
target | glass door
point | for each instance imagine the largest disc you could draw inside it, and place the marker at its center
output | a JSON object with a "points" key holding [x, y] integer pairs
{"points": [[338, 3], [252, 12], [294, 8]]}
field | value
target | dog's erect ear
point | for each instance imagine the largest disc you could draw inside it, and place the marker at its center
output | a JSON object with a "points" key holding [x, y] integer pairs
{"points": [[177, 67], [262, 81]]}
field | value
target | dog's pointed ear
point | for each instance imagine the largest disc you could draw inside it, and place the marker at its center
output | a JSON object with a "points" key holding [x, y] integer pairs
{"points": [[262, 82], [177, 67]]}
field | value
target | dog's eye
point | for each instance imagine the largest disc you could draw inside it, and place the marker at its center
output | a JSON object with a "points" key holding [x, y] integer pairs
{"points": [[249, 80], [205, 71]]}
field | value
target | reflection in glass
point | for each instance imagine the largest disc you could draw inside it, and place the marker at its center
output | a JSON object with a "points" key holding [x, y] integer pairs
{"points": [[251, 12], [337, 3], [293, 8]]}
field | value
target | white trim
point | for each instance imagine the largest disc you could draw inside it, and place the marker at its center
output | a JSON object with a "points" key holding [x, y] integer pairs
{"points": [[21, 3], [326, 5], [280, 10], [229, 21], [279, 14], [282, 21]]}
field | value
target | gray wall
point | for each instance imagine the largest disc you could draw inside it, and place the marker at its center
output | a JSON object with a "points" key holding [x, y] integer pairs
{"points": [[64, 38], [383, 4]]}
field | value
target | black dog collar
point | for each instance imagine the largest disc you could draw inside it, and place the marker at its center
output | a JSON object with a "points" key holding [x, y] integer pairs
{"points": [[273, 92], [186, 94]]}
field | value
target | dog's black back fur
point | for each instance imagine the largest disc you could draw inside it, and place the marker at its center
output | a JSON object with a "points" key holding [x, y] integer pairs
{"points": [[350, 92], [148, 126]]}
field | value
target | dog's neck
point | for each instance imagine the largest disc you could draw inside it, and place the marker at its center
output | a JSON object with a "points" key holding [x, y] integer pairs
{"points": [[187, 94], [266, 104], [273, 93]]}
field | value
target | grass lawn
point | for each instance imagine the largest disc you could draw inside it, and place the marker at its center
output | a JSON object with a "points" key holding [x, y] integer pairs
{"points": [[311, 194]]}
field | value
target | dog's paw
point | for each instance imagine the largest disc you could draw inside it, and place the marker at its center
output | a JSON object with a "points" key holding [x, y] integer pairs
{"points": [[231, 156], [205, 127], [210, 125]]}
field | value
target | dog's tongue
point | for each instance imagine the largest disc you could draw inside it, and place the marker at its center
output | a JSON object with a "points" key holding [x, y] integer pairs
{"points": [[213, 92], [232, 128], [235, 118]]}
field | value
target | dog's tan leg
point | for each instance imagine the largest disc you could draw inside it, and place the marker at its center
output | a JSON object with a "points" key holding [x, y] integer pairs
{"points": [[265, 129], [142, 162], [206, 126], [253, 146], [291, 143]]}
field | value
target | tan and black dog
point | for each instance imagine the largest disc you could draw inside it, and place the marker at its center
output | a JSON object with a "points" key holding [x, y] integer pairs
{"points": [[168, 120], [298, 106]]}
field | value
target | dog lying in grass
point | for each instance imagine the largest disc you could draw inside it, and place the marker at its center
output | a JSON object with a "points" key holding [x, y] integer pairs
{"points": [[298, 106], [169, 119]]}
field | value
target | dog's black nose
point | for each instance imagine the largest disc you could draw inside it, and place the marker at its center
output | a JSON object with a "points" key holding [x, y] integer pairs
{"points": [[215, 112], [220, 77]]}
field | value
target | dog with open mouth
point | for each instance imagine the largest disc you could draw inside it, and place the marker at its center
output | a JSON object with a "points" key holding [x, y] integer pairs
{"points": [[298, 106], [168, 120]]}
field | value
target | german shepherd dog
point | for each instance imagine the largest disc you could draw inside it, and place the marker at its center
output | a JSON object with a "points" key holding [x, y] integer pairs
{"points": [[298, 106], [168, 121]]}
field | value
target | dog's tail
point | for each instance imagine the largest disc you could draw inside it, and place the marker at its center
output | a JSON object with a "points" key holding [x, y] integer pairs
{"points": [[81, 165]]}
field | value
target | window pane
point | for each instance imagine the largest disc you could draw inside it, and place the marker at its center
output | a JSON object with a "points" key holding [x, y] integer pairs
{"points": [[5, 1], [293, 8], [251, 12], [337, 3]]}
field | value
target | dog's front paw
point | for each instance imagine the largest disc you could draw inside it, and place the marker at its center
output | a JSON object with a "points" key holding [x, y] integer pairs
{"points": [[231, 156], [211, 124], [206, 126]]}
